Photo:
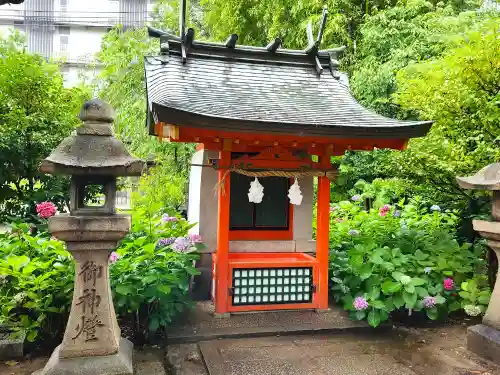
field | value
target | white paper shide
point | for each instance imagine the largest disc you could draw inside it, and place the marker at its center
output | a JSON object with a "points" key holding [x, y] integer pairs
{"points": [[256, 191], [294, 194]]}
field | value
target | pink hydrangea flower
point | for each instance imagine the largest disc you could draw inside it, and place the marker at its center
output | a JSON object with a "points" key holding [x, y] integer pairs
{"points": [[360, 303], [194, 238], [384, 210], [114, 257], [448, 284], [46, 209]]}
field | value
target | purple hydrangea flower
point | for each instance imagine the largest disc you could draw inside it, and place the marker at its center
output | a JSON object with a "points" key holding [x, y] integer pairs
{"points": [[166, 218], [181, 244], [356, 198], [429, 302], [396, 213], [333, 208], [360, 303], [435, 207], [114, 257], [353, 232], [165, 242]]}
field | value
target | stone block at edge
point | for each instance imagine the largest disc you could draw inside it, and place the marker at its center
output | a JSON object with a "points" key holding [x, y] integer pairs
{"points": [[485, 342], [117, 364], [11, 347]]}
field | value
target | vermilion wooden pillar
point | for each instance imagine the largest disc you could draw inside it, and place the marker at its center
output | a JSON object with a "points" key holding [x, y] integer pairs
{"points": [[222, 260], [323, 235]]}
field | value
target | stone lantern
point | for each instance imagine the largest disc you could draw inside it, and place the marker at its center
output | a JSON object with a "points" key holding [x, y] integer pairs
{"points": [[484, 339], [91, 156]]}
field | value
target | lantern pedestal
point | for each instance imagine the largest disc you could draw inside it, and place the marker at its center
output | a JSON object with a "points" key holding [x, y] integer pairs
{"points": [[116, 364], [92, 342], [484, 339]]}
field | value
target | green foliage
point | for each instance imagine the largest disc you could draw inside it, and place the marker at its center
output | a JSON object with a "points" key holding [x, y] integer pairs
{"points": [[122, 85], [475, 294], [36, 283], [391, 39], [159, 191], [151, 282], [419, 60], [398, 258], [36, 113], [257, 22]]}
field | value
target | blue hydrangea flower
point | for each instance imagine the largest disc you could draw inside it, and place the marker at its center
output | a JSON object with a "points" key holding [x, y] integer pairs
{"points": [[353, 232], [165, 242], [427, 270], [356, 198], [396, 213], [435, 207]]}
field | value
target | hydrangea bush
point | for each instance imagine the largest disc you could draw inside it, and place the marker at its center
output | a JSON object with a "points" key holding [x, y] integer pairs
{"points": [[152, 271], [403, 257], [150, 274]]}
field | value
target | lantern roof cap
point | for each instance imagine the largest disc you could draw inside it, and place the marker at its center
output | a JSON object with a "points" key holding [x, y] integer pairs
{"points": [[487, 178], [92, 149]]}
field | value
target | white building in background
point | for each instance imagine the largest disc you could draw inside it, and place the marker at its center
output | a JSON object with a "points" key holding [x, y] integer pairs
{"points": [[72, 29]]}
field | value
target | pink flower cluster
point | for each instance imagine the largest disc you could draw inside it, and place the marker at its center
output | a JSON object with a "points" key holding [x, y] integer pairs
{"points": [[46, 209], [194, 238], [448, 284], [114, 257], [384, 210], [360, 303]]}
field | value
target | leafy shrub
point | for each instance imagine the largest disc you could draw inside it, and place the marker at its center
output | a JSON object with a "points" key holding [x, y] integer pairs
{"points": [[36, 282], [405, 257], [149, 278]]}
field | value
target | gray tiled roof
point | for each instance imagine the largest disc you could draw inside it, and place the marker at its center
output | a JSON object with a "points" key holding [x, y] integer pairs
{"points": [[232, 91]]}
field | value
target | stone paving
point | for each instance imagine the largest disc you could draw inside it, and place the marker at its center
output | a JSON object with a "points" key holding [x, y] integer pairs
{"points": [[200, 324], [390, 353]]}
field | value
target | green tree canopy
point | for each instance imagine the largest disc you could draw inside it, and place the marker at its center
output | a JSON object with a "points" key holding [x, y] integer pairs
{"points": [[36, 113]]}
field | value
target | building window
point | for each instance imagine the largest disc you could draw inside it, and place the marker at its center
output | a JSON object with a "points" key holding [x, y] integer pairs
{"points": [[19, 25], [63, 38], [63, 43], [271, 214]]}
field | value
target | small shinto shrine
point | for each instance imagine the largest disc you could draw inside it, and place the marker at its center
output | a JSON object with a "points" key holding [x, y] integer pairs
{"points": [[266, 121]]}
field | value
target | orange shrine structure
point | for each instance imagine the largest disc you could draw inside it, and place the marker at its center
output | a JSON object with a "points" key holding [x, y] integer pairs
{"points": [[271, 113]]}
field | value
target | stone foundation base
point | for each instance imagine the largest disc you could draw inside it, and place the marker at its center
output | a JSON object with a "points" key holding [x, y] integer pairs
{"points": [[117, 364], [485, 342]]}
